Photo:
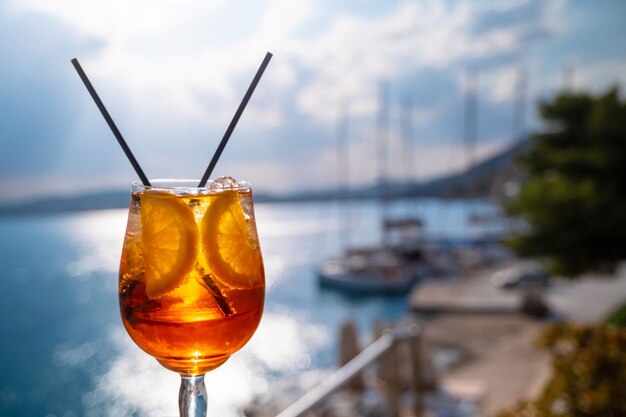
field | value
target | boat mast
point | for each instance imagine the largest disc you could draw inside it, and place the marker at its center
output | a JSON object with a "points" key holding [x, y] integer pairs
{"points": [[343, 173], [470, 128], [382, 143], [567, 77], [406, 106], [519, 106]]}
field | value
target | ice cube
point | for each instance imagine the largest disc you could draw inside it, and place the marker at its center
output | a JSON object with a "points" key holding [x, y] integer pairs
{"points": [[224, 183]]}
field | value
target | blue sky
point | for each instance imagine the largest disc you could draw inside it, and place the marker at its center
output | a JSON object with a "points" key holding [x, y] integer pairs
{"points": [[173, 72]]}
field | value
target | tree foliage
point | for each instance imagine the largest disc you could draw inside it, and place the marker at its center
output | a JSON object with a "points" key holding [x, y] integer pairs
{"points": [[588, 374], [616, 317], [573, 201]]}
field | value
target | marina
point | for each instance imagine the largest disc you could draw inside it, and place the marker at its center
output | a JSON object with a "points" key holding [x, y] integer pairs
{"points": [[83, 339]]}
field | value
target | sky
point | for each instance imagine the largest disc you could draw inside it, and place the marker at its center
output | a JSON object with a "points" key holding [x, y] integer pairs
{"points": [[173, 72]]}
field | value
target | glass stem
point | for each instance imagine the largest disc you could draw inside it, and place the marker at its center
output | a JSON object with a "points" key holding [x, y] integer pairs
{"points": [[192, 397]]}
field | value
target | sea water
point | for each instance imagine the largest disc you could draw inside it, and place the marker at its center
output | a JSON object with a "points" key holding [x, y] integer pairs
{"points": [[64, 352]]}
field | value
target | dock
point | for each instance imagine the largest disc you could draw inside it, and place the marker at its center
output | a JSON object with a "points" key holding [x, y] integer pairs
{"points": [[471, 294]]}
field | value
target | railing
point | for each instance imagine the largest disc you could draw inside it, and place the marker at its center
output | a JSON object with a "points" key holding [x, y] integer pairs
{"points": [[385, 344]]}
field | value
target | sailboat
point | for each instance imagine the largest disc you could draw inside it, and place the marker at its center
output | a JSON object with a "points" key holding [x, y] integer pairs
{"points": [[388, 269], [372, 271]]}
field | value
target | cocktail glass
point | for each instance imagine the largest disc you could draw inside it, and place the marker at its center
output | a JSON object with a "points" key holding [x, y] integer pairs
{"points": [[191, 283]]}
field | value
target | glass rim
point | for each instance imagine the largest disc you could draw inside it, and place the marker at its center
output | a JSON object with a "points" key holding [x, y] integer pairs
{"points": [[186, 185]]}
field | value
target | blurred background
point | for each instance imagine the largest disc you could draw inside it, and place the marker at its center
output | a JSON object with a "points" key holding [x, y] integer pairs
{"points": [[369, 111]]}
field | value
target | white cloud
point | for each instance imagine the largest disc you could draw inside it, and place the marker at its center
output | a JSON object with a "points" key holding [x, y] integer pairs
{"points": [[355, 53], [177, 70], [119, 20], [142, 56], [501, 84], [344, 59], [601, 75]]}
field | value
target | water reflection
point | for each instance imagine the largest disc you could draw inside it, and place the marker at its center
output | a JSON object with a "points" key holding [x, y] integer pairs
{"points": [[133, 382], [70, 356], [130, 382], [99, 235]]}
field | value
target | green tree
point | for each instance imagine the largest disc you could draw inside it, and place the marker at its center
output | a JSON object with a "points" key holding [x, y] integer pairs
{"points": [[573, 201], [588, 374]]}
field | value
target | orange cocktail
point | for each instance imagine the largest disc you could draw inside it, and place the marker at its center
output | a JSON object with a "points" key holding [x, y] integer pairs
{"points": [[191, 276]]}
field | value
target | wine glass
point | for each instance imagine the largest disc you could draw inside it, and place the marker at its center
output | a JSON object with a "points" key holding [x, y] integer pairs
{"points": [[191, 283]]}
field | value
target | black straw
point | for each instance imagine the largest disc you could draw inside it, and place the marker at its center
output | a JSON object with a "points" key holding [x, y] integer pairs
{"points": [[110, 122], [233, 123]]}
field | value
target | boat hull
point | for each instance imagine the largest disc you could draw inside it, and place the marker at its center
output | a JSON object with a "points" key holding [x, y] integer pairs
{"points": [[367, 281]]}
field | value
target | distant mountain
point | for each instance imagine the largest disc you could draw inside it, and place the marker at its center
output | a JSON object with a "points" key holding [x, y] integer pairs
{"points": [[82, 202], [484, 179]]}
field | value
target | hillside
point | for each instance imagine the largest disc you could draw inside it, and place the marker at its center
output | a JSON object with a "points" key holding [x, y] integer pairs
{"points": [[486, 178]]}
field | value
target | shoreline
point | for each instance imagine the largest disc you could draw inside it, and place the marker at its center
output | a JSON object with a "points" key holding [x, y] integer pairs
{"points": [[500, 363]]}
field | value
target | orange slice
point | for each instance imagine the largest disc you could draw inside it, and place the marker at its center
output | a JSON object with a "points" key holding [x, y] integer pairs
{"points": [[170, 241], [229, 243]]}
